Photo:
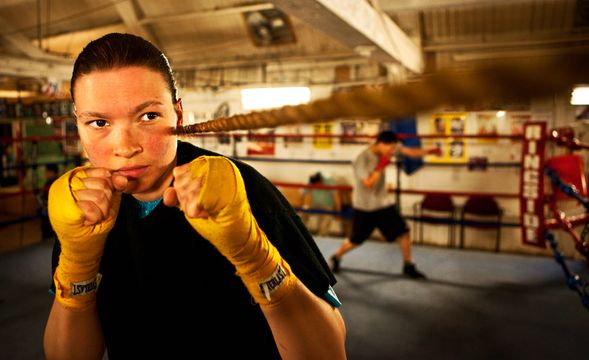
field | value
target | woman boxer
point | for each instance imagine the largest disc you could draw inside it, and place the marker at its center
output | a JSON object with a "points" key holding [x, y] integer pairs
{"points": [[170, 250]]}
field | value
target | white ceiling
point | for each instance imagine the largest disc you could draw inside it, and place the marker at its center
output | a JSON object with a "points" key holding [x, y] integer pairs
{"points": [[348, 41]]}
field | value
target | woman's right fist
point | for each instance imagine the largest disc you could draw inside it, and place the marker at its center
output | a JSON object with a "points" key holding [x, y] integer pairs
{"points": [[84, 201], [83, 208]]}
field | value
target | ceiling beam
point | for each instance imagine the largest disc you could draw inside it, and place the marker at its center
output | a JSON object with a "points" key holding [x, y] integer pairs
{"points": [[20, 67], [358, 26], [513, 44], [392, 6], [289, 63], [205, 14], [25, 46], [129, 16], [519, 53], [257, 61]]}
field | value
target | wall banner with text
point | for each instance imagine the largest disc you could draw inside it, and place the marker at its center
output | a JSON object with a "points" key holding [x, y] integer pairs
{"points": [[532, 184]]}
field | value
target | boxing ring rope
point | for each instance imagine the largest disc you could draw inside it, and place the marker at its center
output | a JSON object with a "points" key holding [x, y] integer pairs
{"points": [[500, 80], [574, 281], [560, 220], [580, 241], [348, 214]]}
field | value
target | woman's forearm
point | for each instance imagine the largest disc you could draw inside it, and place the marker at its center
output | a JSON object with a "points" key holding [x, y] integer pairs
{"points": [[73, 334], [306, 327]]}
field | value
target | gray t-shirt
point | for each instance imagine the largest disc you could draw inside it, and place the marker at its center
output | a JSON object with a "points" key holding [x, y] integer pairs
{"points": [[369, 199]]}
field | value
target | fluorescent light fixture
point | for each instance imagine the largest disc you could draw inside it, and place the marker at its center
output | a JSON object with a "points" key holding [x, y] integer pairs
{"points": [[14, 94], [267, 98], [500, 114], [580, 95]]}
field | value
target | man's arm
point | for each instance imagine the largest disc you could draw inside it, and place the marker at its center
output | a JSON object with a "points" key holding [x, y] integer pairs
{"points": [[417, 152], [372, 178], [367, 176]]}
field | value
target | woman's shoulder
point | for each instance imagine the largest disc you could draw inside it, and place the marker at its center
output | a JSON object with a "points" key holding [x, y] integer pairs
{"points": [[188, 152]]}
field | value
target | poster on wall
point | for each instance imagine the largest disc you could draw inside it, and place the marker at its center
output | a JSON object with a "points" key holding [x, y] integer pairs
{"points": [[456, 149], [517, 121], [438, 125], [349, 132], [261, 142], [319, 141], [457, 122], [448, 124], [292, 136], [486, 124]]}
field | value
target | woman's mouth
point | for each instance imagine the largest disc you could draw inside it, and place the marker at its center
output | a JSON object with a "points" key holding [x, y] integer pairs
{"points": [[131, 171]]}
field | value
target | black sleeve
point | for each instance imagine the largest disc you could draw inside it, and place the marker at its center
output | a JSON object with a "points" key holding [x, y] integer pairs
{"points": [[280, 222], [286, 231]]}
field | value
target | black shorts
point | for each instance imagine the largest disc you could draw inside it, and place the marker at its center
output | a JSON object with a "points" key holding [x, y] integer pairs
{"points": [[390, 223]]}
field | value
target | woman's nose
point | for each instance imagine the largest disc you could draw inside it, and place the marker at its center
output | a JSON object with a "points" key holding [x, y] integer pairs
{"points": [[127, 145]]}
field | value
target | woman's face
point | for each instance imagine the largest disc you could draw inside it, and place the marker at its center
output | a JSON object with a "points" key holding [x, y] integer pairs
{"points": [[124, 116]]}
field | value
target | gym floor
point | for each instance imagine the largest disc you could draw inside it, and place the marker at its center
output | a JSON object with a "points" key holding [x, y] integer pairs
{"points": [[474, 305]]}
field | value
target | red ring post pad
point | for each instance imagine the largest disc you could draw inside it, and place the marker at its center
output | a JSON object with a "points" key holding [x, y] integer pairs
{"points": [[532, 184], [570, 169]]}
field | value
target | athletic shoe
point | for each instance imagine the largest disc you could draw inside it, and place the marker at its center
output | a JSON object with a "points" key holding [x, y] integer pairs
{"points": [[411, 271], [334, 264]]}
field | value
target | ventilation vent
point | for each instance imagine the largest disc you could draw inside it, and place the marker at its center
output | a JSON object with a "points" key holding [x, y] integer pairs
{"points": [[269, 27]]}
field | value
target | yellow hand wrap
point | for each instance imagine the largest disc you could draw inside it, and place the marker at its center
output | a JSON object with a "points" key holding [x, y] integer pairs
{"points": [[76, 277], [234, 231]]}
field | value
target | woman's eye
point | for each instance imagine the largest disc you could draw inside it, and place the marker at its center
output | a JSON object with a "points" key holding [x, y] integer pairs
{"points": [[98, 123], [149, 116]]}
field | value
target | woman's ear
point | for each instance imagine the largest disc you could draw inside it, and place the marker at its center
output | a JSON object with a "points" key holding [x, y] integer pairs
{"points": [[179, 112]]}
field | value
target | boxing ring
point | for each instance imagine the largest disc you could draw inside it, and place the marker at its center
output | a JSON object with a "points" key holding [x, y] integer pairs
{"points": [[501, 80]]}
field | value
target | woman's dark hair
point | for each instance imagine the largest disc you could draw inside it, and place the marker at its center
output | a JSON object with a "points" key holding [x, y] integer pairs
{"points": [[117, 50]]}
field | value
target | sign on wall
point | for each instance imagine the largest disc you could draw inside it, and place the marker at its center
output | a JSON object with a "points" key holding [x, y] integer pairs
{"points": [[532, 183]]}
